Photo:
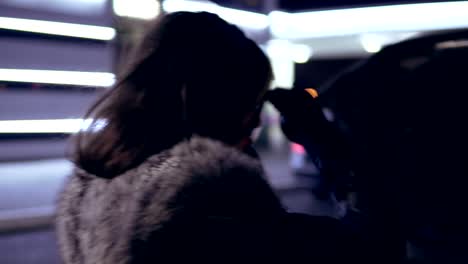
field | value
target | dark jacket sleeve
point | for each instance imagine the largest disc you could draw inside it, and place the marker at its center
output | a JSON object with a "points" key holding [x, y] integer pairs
{"points": [[317, 239]]}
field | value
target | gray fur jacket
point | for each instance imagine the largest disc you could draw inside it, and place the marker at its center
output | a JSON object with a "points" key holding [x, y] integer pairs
{"points": [[200, 201]]}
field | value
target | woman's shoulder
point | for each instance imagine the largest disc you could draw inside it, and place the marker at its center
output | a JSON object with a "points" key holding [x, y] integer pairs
{"points": [[204, 157], [202, 168], [192, 158], [195, 167], [196, 179]]}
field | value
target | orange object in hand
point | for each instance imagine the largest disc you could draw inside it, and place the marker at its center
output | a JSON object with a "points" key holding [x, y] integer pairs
{"points": [[312, 92]]}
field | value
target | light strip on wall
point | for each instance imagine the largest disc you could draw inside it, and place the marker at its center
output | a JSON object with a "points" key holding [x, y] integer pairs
{"points": [[409, 17], [238, 17], [95, 79], [49, 126], [58, 28], [66, 126]]}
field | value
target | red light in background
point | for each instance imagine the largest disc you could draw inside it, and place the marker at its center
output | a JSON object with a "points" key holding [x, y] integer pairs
{"points": [[298, 149]]}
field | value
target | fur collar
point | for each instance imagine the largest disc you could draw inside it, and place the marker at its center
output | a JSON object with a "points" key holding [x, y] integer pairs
{"points": [[99, 219]]}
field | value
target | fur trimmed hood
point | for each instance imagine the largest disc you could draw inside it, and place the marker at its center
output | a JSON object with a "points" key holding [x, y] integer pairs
{"points": [[165, 201]]}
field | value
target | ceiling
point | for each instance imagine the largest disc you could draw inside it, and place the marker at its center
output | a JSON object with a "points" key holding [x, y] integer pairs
{"points": [[302, 5], [339, 31], [306, 5]]}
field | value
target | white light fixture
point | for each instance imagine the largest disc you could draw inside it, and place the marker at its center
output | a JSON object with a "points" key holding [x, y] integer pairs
{"points": [[58, 28], [238, 17], [408, 17], [95, 79], [279, 53], [372, 43], [142, 9], [298, 53], [49, 126]]}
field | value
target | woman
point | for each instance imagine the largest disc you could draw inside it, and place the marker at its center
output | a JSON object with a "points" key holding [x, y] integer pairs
{"points": [[167, 177]]}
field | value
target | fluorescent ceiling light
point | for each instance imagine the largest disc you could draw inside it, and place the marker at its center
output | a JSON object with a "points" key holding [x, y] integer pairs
{"points": [[285, 49], [143, 9], [238, 17], [281, 54], [409, 17], [301, 53], [372, 43], [96, 79], [49, 126], [58, 28]]}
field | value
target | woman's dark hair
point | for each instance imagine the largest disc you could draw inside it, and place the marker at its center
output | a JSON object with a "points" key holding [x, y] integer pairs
{"points": [[193, 74]]}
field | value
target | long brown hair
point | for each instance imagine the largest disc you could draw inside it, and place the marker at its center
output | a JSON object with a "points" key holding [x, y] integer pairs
{"points": [[192, 74]]}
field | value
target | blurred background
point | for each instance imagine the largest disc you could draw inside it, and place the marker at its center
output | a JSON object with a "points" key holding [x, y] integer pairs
{"points": [[58, 56]]}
